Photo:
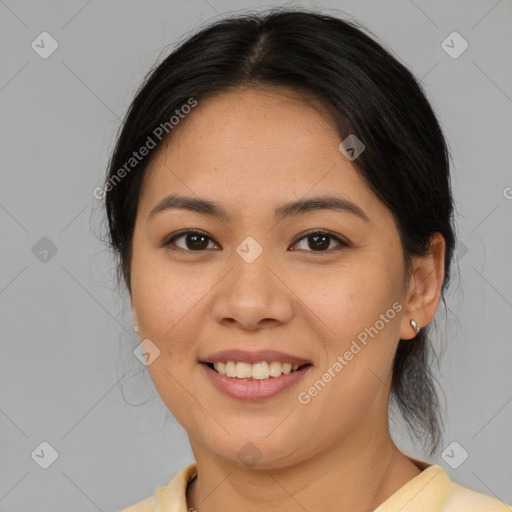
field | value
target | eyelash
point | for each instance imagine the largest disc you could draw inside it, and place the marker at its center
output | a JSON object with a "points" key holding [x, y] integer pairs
{"points": [[176, 236]]}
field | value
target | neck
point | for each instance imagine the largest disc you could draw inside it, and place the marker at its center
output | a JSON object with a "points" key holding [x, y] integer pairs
{"points": [[340, 478]]}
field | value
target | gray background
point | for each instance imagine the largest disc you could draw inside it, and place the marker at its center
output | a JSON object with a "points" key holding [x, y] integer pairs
{"points": [[67, 371]]}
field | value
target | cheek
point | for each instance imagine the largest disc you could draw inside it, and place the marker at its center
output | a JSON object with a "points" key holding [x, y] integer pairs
{"points": [[357, 310], [350, 297], [168, 307], [165, 296]]}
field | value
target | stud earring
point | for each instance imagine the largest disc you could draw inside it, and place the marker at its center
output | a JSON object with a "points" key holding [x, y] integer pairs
{"points": [[136, 328], [414, 325]]}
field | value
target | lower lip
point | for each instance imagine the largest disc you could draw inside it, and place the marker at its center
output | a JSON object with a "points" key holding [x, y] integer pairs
{"points": [[253, 389]]}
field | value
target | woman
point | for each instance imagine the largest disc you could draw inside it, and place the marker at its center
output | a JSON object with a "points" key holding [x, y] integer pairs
{"points": [[279, 201]]}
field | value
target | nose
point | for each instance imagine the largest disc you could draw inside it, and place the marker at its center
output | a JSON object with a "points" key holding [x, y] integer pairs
{"points": [[253, 295]]}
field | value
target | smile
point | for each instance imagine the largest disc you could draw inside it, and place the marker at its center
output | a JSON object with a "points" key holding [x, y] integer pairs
{"points": [[259, 371], [266, 379]]}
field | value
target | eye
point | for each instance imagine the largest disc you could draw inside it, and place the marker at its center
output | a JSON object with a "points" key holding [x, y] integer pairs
{"points": [[197, 241], [320, 241], [194, 241]]}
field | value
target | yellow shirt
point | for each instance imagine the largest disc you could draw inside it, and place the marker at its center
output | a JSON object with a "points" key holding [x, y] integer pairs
{"points": [[430, 491]]}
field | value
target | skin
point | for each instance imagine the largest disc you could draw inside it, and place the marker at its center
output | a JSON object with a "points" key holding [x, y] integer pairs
{"points": [[250, 150]]}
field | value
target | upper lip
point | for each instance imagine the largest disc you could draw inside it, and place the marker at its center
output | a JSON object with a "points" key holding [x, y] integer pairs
{"points": [[253, 357]]}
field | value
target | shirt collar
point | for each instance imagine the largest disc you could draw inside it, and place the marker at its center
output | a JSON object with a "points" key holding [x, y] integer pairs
{"points": [[424, 493]]}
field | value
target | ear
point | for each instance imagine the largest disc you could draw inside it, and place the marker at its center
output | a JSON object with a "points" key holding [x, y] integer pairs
{"points": [[134, 318], [424, 288]]}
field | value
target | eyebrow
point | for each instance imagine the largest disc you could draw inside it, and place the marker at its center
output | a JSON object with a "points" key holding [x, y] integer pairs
{"points": [[299, 207]]}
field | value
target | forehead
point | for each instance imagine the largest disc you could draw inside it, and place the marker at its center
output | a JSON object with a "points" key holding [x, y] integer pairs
{"points": [[248, 147]]}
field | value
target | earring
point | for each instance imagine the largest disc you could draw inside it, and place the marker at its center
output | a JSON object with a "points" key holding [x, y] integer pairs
{"points": [[136, 328], [414, 325]]}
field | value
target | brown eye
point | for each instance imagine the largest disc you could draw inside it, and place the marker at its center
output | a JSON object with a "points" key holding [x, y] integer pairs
{"points": [[320, 241], [193, 241], [196, 242]]}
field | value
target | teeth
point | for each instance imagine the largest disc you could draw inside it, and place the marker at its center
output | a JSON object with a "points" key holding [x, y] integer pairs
{"points": [[243, 370], [275, 369], [230, 369], [258, 371]]}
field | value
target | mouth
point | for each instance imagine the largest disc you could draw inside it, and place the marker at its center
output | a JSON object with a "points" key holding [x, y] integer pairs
{"points": [[254, 382], [263, 370]]}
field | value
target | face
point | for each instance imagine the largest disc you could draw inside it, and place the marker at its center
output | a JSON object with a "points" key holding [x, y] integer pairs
{"points": [[317, 286]]}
